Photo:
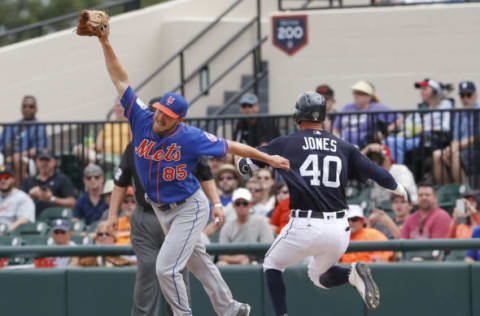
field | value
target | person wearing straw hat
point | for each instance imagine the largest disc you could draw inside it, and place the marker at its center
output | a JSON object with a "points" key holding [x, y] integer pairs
{"points": [[356, 128]]}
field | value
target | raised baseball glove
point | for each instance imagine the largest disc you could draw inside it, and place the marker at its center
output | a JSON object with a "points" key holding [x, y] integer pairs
{"points": [[93, 23]]}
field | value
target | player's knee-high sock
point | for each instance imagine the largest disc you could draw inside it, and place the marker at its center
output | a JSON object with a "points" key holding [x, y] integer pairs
{"points": [[277, 290], [335, 276]]}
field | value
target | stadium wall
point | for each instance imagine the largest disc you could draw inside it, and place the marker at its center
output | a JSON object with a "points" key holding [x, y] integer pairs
{"points": [[392, 47], [417, 289]]}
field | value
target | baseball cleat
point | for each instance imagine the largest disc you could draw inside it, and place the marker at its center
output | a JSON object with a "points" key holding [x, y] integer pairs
{"points": [[244, 310], [361, 278]]}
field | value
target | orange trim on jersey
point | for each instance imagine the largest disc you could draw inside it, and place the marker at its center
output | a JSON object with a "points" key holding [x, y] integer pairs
{"points": [[165, 110], [131, 106], [178, 131]]}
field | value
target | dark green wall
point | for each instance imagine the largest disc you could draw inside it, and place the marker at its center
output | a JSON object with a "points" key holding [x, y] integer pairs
{"points": [[426, 289]]}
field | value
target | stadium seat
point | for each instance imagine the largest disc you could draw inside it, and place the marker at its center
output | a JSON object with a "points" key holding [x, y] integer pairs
{"points": [[351, 193], [424, 255], [386, 205], [77, 226], [37, 228], [4, 230], [81, 240], [92, 227], [51, 213], [35, 240], [455, 255], [448, 194]]}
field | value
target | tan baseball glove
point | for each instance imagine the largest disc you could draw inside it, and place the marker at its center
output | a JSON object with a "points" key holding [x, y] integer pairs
{"points": [[93, 23]]}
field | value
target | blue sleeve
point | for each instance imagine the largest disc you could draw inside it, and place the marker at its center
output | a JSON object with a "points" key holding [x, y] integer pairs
{"points": [[135, 110], [362, 169], [473, 253], [207, 144]]}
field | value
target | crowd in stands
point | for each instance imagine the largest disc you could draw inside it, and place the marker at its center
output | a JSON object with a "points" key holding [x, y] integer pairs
{"points": [[33, 189]]}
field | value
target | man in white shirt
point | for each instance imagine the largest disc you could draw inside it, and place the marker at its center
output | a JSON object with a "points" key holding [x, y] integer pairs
{"points": [[16, 207], [246, 228]]}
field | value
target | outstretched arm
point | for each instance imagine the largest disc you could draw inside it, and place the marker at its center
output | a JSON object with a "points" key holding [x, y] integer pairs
{"points": [[118, 74], [247, 151]]}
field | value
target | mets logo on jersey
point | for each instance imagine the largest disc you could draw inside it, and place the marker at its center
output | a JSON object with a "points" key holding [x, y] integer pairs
{"points": [[211, 137], [172, 153], [170, 100]]}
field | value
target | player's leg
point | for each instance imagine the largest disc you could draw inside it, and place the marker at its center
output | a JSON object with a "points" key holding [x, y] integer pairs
{"points": [[184, 225], [287, 249], [361, 278], [146, 237]]}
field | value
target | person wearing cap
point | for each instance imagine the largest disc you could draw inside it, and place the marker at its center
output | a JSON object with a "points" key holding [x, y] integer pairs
{"points": [[16, 207], [166, 152], [49, 187], [247, 228], [391, 227], [21, 144], [461, 155], [427, 129], [90, 206], [228, 179], [357, 129], [429, 221], [252, 131], [329, 96], [381, 155], [60, 233], [466, 215], [359, 232]]}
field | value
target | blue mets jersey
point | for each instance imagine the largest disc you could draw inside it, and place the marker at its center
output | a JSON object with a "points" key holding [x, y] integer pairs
{"points": [[164, 164], [320, 166]]}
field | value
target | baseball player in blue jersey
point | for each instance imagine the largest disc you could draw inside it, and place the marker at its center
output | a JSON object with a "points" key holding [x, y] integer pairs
{"points": [[166, 150], [318, 228]]}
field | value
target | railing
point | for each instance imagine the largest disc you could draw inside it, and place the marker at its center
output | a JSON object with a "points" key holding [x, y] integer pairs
{"points": [[253, 249], [202, 70], [300, 5], [62, 22], [413, 138]]}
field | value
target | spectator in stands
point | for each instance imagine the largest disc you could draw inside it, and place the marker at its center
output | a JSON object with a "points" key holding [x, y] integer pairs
{"points": [[380, 220], [381, 155], [246, 228], [267, 202], [252, 131], [474, 254], [61, 237], [460, 154], [107, 192], [433, 125], [104, 238], [429, 221], [281, 214], [228, 180], [16, 207], [21, 143], [466, 216], [329, 96], [361, 129], [49, 187], [123, 227], [216, 162], [90, 205], [357, 222]]}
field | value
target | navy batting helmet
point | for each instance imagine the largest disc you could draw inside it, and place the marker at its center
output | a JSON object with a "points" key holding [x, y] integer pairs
{"points": [[310, 106]]}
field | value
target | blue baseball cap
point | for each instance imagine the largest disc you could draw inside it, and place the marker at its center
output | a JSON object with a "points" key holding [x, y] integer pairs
{"points": [[466, 87], [173, 105], [249, 98], [61, 224]]}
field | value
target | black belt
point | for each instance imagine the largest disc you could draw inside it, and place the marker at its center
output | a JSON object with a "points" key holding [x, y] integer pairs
{"points": [[164, 207], [305, 214]]}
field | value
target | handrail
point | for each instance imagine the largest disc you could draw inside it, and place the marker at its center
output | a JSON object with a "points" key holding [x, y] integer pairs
{"points": [[229, 69], [63, 18], [257, 249], [186, 46]]}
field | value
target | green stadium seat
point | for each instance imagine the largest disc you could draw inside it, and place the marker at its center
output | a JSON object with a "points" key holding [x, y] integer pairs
{"points": [[386, 205], [424, 255], [77, 226], [92, 227], [4, 230], [448, 194], [35, 240], [36, 228], [455, 255], [81, 240], [51, 213], [351, 192]]}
